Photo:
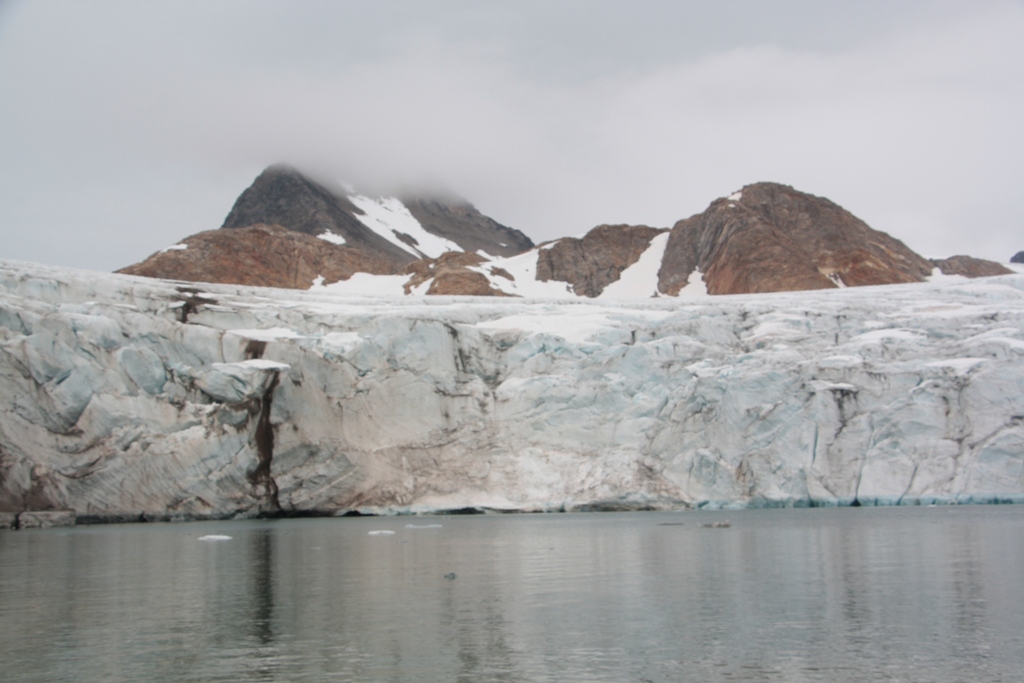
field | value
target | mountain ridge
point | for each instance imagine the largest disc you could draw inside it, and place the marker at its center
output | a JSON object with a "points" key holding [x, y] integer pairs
{"points": [[766, 237]]}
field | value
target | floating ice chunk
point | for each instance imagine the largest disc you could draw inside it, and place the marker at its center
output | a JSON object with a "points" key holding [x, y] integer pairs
{"points": [[332, 238], [380, 532], [422, 526], [214, 537]]}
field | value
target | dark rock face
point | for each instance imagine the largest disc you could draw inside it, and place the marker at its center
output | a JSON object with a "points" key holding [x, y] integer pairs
{"points": [[771, 238], [457, 220], [262, 256], [1018, 257], [283, 196], [968, 266], [592, 263]]}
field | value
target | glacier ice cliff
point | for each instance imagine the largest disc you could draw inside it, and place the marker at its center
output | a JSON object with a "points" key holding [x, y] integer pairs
{"points": [[130, 398]]}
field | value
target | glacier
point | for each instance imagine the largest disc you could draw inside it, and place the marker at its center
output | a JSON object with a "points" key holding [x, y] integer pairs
{"points": [[127, 398]]}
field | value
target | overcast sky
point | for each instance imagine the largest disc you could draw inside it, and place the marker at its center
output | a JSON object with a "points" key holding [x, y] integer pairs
{"points": [[126, 126]]}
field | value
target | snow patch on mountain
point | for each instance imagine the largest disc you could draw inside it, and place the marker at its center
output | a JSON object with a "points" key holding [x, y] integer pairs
{"points": [[366, 284], [695, 287], [938, 276], [523, 271], [640, 279], [389, 218], [331, 237]]}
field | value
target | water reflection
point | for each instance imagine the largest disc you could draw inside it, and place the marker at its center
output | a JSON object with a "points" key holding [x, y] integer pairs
{"points": [[261, 559], [812, 595]]}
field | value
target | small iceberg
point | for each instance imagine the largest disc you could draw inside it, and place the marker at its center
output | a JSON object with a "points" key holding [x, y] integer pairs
{"points": [[214, 537], [381, 532], [422, 526]]}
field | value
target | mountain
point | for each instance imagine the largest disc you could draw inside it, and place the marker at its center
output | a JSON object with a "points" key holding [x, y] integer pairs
{"points": [[318, 231], [404, 228], [126, 398], [767, 237]]}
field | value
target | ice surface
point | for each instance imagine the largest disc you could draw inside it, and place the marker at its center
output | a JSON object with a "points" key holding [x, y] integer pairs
{"points": [[365, 284], [268, 334], [110, 404], [253, 363], [960, 366]]}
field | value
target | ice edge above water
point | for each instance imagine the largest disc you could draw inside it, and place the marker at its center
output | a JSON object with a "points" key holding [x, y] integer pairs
{"points": [[128, 398]]}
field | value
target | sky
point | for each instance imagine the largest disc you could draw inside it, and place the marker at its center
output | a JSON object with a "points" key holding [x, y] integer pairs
{"points": [[127, 126]]}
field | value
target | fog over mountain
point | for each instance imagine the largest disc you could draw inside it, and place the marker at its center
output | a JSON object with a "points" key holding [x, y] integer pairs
{"points": [[124, 126]]}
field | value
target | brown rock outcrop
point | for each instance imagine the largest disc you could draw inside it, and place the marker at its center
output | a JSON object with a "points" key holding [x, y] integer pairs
{"points": [[968, 266], [593, 262], [451, 275], [262, 256], [771, 238]]}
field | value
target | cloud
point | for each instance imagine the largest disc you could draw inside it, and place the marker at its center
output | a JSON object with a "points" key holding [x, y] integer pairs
{"points": [[915, 129]]}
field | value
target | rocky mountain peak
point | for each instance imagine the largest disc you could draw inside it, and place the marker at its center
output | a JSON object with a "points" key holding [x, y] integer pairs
{"points": [[397, 227], [770, 237], [291, 230]]}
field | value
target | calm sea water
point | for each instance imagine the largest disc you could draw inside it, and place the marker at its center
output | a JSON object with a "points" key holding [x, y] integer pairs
{"points": [[869, 594]]}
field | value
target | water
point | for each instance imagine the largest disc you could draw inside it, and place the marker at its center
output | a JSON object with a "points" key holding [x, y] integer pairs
{"points": [[884, 594]]}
